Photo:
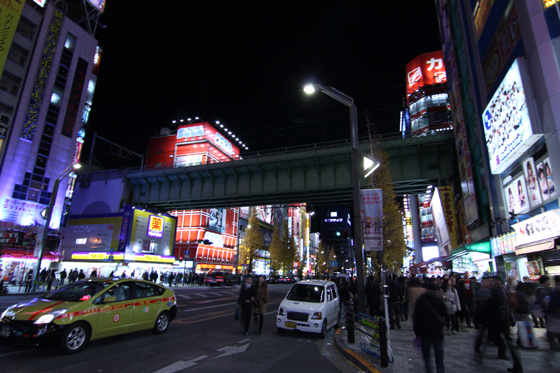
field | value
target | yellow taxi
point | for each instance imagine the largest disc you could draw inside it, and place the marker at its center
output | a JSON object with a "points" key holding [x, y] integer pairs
{"points": [[90, 309]]}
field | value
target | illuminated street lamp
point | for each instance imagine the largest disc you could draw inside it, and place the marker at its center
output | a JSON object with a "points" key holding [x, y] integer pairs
{"points": [[358, 248], [47, 215]]}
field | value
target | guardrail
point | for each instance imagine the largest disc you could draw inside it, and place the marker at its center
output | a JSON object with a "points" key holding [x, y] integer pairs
{"points": [[376, 326]]}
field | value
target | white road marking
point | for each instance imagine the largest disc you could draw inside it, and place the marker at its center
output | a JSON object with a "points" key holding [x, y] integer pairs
{"points": [[244, 340], [231, 350], [200, 295], [184, 296], [180, 365], [205, 308]]}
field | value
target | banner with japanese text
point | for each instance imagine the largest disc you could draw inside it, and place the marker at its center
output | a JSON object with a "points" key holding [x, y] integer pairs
{"points": [[10, 11], [372, 219]]}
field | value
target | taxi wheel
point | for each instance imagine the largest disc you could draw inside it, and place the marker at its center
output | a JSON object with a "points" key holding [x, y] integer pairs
{"points": [[162, 323], [75, 338], [323, 330]]}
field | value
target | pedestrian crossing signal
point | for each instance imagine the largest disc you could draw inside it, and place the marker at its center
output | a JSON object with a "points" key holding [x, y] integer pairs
{"points": [[180, 259]]}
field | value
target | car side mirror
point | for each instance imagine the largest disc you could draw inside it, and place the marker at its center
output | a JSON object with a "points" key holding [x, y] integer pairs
{"points": [[110, 299]]}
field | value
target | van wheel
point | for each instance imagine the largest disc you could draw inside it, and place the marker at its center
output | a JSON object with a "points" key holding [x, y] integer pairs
{"points": [[323, 330], [339, 320], [162, 323], [74, 338]]}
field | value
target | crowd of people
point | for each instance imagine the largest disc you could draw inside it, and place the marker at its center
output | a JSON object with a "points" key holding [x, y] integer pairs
{"points": [[454, 303]]}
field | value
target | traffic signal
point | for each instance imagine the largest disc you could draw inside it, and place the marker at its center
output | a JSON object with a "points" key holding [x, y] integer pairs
{"points": [[207, 242], [180, 259]]}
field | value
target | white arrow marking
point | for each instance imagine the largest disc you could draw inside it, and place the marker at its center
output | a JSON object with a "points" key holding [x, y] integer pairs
{"points": [[231, 350], [243, 340], [180, 365]]}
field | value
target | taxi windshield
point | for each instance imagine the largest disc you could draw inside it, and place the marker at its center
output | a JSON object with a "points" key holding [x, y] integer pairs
{"points": [[77, 292], [306, 293]]}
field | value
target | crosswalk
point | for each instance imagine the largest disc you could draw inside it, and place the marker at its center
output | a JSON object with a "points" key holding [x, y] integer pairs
{"points": [[205, 294]]}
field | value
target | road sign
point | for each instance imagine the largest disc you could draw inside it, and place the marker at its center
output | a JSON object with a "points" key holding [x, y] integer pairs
{"points": [[111, 257], [187, 252], [111, 250]]}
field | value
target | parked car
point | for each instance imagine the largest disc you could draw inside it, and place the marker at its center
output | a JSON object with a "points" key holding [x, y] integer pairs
{"points": [[310, 306], [287, 280], [90, 309]]}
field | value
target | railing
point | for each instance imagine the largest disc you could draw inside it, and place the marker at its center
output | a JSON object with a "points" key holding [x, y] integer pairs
{"points": [[376, 326]]}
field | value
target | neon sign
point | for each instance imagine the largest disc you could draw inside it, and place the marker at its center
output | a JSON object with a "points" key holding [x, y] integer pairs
{"points": [[155, 227], [187, 132], [222, 142]]}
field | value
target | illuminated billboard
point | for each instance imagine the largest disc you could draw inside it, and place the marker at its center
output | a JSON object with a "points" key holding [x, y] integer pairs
{"points": [[508, 127], [204, 131], [426, 69], [98, 4], [155, 226], [151, 234]]}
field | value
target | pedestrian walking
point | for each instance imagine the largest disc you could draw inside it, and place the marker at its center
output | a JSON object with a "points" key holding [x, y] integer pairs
{"points": [[540, 305], [178, 279], [429, 312], [93, 273], [28, 280], [170, 279], [51, 276], [43, 278], [261, 299], [63, 276], [246, 298], [81, 275], [395, 300], [470, 293], [373, 296], [415, 290], [145, 276], [553, 317], [451, 302]]}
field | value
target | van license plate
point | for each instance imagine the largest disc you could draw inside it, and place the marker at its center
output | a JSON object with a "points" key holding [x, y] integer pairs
{"points": [[292, 325]]}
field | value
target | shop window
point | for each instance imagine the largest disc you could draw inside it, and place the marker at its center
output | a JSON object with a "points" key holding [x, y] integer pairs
{"points": [[33, 195]]}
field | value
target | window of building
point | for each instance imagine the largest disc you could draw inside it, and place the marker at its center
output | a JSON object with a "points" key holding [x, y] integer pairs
{"points": [[26, 28], [70, 42], [56, 97], [6, 109], [18, 54], [10, 83]]}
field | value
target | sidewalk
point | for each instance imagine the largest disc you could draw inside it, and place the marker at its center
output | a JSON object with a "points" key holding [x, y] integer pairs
{"points": [[459, 356]]}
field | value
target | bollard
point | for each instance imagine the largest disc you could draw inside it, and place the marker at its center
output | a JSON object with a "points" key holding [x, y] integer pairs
{"points": [[350, 322], [383, 343]]}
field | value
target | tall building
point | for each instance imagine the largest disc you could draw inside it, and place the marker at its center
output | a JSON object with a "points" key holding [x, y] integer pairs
{"points": [[503, 63], [49, 66]]}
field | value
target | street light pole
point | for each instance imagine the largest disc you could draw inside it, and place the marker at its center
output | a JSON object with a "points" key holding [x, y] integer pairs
{"points": [[48, 216], [358, 247]]}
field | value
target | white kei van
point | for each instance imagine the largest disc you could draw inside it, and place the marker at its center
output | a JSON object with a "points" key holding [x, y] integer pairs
{"points": [[311, 306]]}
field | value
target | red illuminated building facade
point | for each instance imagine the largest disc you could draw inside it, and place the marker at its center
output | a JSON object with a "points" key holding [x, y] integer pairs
{"points": [[426, 94], [206, 238]]}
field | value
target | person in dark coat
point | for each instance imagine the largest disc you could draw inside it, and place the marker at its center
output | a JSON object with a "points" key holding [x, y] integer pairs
{"points": [[81, 275], [63, 276], [396, 299], [43, 277], [50, 278], [170, 279], [373, 295], [428, 319], [247, 296]]}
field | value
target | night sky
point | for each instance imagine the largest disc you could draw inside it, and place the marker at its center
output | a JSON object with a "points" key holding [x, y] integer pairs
{"points": [[245, 63]]}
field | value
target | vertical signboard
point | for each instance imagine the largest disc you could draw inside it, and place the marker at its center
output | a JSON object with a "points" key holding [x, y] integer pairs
{"points": [[372, 219], [546, 180], [10, 11], [533, 189], [38, 90], [446, 196], [74, 99]]}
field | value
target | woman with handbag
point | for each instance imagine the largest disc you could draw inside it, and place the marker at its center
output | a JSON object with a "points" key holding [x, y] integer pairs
{"points": [[261, 299]]}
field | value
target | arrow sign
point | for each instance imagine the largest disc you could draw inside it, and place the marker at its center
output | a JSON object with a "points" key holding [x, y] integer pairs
{"points": [[231, 350], [180, 365]]}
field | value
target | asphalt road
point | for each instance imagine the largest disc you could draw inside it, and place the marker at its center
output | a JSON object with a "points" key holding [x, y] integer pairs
{"points": [[203, 338]]}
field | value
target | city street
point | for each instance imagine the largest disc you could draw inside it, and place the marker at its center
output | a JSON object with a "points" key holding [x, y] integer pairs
{"points": [[203, 338]]}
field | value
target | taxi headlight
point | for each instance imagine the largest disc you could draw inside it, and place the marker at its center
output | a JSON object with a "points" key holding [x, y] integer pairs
{"points": [[50, 316], [7, 312]]}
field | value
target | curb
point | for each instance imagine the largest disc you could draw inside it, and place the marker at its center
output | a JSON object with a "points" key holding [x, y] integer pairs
{"points": [[352, 356]]}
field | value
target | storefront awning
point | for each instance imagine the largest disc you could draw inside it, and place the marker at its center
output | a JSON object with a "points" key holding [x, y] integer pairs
{"points": [[541, 246], [479, 247]]}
